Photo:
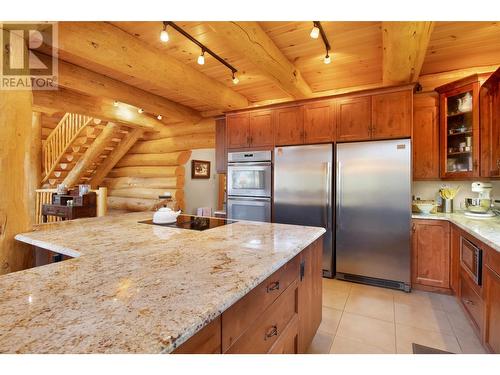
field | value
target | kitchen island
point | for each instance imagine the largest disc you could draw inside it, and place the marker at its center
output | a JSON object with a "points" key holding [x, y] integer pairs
{"points": [[138, 288]]}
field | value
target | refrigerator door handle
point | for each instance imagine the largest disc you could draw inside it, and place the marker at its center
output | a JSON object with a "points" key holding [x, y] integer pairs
{"points": [[339, 193], [328, 189]]}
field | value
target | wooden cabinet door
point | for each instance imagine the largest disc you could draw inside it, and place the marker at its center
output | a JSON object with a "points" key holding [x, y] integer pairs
{"points": [[392, 115], [206, 341], [238, 131], [318, 122], [492, 307], [310, 293], [353, 119], [431, 253], [489, 102], [457, 163], [454, 258], [220, 145], [425, 142], [289, 126], [261, 129]]}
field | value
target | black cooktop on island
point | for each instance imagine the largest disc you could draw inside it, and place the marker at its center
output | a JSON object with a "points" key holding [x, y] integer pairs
{"points": [[193, 222]]}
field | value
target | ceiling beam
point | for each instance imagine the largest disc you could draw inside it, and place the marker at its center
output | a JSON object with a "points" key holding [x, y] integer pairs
{"points": [[251, 41], [102, 44], [405, 45], [88, 82], [64, 100]]}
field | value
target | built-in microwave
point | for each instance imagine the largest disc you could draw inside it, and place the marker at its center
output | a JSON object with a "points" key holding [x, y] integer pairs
{"points": [[471, 259]]}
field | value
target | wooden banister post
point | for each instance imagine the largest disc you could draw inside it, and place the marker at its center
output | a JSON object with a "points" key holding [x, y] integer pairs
{"points": [[102, 201]]}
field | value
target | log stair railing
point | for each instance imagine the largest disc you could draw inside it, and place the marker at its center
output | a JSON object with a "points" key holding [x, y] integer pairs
{"points": [[60, 140], [86, 152]]}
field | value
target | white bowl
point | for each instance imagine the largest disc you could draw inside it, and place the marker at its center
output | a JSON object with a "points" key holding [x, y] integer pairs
{"points": [[425, 208]]}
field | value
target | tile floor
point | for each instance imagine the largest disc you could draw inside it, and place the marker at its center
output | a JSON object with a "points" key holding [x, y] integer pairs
{"points": [[361, 319]]}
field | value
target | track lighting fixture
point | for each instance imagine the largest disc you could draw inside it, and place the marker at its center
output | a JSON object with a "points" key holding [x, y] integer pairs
{"points": [[164, 33], [315, 31], [140, 110], [235, 79], [201, 58], [115, 103], [159, 117]]}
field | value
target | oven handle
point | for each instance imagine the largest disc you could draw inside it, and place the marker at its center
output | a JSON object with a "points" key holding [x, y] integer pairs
{"points": [[243, 164], [234, 198]]}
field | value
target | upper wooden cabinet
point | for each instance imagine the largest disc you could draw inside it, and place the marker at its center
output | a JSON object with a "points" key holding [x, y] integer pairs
{"points": [[289, 126], [318, 122], [489, 102], [392, 115], [261, 129], [431, 253], [459, 128], [237, 131], [250, 129], [425, 138], [353, 118]]}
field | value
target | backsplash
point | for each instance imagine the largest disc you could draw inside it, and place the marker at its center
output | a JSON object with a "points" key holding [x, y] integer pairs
{"points": [[430, 190]]}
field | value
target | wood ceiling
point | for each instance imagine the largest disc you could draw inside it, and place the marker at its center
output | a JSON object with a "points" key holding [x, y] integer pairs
{"points": [[357, 57]]}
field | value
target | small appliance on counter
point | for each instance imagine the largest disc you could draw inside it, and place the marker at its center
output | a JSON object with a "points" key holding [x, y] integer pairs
{"points": [[480, 207]]}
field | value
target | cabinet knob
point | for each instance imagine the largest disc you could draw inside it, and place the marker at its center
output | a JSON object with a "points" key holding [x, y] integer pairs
{"points": [[273, 331], [468, 301], [413, 228], [275, 285]]}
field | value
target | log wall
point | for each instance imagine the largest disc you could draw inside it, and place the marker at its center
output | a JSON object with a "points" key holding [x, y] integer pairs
{"points": [[155, 165]]}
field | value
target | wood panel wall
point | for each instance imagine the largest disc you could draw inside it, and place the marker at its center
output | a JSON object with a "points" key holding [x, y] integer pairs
{"points": [[155, 165]]}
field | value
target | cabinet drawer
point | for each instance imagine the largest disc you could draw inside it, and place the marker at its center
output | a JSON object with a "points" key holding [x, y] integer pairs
{"points": [[54, 210], [287, 343], [238, 318], [471, 301], [268, 328]]}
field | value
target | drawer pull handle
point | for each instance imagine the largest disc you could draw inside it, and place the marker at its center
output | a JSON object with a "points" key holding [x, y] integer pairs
{"points": [[468, 301], [272, 332], [273, 286]]}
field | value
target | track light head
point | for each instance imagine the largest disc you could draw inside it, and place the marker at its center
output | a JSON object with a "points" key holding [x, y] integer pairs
{"points": [[164, 34], [140, 110], [327, 59], [315, 32], [201, 58], [235, 79], [159, 117]]}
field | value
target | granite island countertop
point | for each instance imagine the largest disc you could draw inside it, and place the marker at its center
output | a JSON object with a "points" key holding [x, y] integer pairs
{"points": [[136, 288], [486, 230]]}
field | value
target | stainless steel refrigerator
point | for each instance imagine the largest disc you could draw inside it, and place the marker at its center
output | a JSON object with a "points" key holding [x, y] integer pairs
{"points": [[373, 212], [303, 193]]}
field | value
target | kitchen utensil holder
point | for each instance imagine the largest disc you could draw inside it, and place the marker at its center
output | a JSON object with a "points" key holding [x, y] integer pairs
{"points": [[447, 206]]}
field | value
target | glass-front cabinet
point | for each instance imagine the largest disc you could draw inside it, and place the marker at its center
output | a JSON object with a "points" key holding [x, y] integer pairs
{"points": [[459, 129]]}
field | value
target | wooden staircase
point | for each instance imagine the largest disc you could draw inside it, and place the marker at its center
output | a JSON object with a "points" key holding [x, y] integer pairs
{"points": [[83, 143]]}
